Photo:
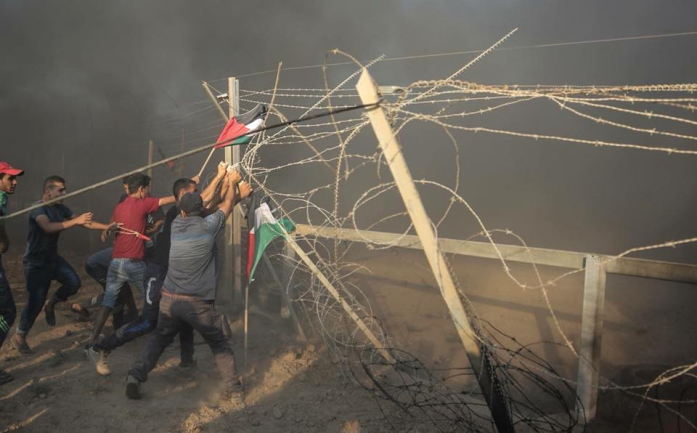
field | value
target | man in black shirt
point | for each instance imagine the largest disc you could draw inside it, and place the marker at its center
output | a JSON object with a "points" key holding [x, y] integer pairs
{"points": [[42, 264]]}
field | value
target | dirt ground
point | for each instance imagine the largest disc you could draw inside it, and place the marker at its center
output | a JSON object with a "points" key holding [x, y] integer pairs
{"points": [[291, 385], [294, 386]]}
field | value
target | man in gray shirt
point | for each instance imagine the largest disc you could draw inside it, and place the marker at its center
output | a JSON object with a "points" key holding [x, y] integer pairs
{"points": [[188, 292]]}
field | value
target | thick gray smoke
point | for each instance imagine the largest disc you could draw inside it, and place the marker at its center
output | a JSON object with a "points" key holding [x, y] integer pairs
{"points": [[81, 82]]}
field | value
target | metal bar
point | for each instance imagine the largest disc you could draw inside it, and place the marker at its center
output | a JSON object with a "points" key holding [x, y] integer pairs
{"points": [[653, 269], [337, 296], [591, 335], [392, 151], [233, 228]]}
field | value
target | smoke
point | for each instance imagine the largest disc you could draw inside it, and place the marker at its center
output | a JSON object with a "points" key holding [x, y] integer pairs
{"points": [[81, 83]]}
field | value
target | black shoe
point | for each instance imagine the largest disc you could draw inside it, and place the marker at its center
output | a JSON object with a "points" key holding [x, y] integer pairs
{"points": [[188, 364], [50, 314], [133, 388]]}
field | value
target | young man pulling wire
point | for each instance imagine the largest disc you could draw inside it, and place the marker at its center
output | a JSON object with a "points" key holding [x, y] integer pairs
{"points": [[127, 264], [155, 273], [43, 264], [189, 289]]}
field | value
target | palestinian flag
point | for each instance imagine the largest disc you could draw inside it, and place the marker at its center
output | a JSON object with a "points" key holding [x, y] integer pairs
{"points": [[266, 229], [169, 164], [239, 126]]}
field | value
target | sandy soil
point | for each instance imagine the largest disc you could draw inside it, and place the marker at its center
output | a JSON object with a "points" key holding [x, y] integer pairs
{"points": [[291, 385]]}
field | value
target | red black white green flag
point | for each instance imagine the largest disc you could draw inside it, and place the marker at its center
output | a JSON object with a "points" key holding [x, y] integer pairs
{"points": [[239, 127]]}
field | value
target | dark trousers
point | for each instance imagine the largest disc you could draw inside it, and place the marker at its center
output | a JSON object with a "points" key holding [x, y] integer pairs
{"points": [[200, 315], [8, 311], [38, 278], [147, 321], [97, 267]]}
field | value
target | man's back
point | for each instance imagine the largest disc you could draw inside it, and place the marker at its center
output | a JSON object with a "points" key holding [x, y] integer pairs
{"points": [[132, 213], [192, 268]]}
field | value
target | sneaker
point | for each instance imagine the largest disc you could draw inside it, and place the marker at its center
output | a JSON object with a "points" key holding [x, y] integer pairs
{"points": [[20, 343], [98, 358], [133, 388], [50, 314]]}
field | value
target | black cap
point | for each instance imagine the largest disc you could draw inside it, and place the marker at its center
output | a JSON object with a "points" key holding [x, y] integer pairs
{"points": [[191, 202]]}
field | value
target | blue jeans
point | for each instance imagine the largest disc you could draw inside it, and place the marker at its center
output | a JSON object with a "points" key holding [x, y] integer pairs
{"points": [[97, 267], [147, 321], [123, 271], [8, 311], [38, 278]]}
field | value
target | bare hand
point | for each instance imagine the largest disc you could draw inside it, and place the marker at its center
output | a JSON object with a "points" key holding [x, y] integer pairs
{"points": [[245, 189], [110, 229], [196, 179], [221, 168], [234, 177], [85, 219]]}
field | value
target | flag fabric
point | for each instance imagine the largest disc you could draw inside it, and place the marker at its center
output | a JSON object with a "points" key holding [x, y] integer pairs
{"points": [[241, 126], [266, 229], [169, 164]]}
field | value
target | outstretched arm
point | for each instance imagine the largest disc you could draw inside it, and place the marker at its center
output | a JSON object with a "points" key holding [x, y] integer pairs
{"points": [[51, 227], [164, 201], [94, 225]]}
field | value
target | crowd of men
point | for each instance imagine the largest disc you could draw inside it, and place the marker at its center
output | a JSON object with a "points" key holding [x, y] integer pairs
{"points": [[168, 258]]}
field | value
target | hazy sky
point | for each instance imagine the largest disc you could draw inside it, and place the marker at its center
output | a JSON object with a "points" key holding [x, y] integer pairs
{"points": [[78, 78]]}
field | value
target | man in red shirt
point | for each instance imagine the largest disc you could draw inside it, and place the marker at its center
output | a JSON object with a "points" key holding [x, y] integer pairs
{"points": [[127, 264]]}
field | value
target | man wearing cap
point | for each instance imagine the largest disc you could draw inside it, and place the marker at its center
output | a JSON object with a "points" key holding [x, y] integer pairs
{"points": [[42, 264], [155, 272], [189, 290], [8, 311]]}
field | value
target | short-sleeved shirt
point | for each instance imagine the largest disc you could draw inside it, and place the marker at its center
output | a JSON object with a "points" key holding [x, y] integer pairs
{"points": [[152, 219], [160, 253], [42, 247], [192, 256], [132, 214]]}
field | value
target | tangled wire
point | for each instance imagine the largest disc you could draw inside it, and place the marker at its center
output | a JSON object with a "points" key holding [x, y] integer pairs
{"points": [[322, 157]]}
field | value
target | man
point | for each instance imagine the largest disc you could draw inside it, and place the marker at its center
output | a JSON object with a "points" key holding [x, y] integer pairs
{"points": [[189, 290], [97, 267], [8, 311], [155, 273], [127, 264], [42, 264]]}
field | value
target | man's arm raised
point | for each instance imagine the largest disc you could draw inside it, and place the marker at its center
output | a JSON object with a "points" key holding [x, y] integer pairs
{"points": [[209, 192]]}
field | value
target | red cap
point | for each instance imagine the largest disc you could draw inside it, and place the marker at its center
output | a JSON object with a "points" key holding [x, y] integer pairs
{"points": [[6, 168]]}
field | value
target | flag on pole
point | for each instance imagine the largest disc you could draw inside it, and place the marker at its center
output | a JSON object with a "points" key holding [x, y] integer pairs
{"points": [[169, 164], [241, 126], [266, 229]]}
